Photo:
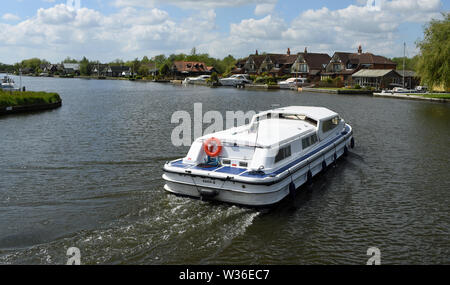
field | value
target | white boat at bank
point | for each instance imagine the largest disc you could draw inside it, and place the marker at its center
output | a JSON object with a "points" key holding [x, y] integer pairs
{"points": [[397, 91], [234, 80], [8, 83], [196, 80], [249, 165], [292, 82]]}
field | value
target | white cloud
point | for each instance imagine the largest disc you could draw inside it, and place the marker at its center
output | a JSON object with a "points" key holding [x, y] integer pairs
{"points": [[189, 4], [60, 31], [10, 17], [268, 28], [137, 28], [59, 14], [263, 9], [346, 28]]}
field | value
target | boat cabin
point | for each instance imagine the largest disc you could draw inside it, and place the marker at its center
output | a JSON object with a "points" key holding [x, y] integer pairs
{"points": [[271, 140]]}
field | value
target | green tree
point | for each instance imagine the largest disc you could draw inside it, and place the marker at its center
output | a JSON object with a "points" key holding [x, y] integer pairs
{"points": [[145, 60], [159, 60], [117, 62], [70, 60], [85, 67], [164, 70], [33, 64], [135, 65], [6, 68], [410, 63], [434, 60], [143, 70]]}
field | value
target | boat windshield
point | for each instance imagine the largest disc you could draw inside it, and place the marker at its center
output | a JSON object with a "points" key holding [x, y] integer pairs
{"points": [[298, 117]]}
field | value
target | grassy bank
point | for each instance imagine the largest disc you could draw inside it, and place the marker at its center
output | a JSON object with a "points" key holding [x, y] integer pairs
{"points": [[343, 88], [17, 98], [434, 95]]}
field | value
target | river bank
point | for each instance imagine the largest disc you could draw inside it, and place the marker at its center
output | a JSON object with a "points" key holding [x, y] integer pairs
{"points": [[16, 101], [344, 91], [434, 97]]}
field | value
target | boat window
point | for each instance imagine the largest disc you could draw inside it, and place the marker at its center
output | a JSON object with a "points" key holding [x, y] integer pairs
{"points": [[336, 120], [330, 124], [283, 153], [243, 164], [308, 141], [305, 143], [226, 161], [298, 117], [311, 121]]}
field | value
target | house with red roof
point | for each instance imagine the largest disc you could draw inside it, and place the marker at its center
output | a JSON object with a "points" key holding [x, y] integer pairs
{"points": [[344, 64], [307, 65], [182, 69]]}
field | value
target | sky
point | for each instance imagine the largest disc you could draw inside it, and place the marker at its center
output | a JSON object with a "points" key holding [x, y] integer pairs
{"points": [[107, 30]]}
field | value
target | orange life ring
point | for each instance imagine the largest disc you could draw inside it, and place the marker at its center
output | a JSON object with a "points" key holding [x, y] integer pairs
{"points": [[207, 147]]}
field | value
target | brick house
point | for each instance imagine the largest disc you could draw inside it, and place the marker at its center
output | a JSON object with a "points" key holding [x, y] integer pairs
{"points": [[182, 69], [307, 65], [344, 64]]}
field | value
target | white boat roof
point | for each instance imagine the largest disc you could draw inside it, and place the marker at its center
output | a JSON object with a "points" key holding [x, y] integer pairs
{"points": [[275, 130], [270, 132], [316, 113]]}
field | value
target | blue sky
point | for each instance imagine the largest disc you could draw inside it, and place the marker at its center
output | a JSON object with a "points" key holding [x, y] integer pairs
{"points": [[125, 29]]}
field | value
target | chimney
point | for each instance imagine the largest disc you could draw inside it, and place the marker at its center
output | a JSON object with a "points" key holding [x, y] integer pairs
{"points": [[289, 51], [306, 50], [359, 49], [256, 53]]}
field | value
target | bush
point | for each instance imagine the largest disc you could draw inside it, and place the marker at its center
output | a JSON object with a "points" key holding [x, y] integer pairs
{"points": [[357, 86], [17, 98]]}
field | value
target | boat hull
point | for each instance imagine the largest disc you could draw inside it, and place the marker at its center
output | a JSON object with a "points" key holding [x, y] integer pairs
{"points": [[264, 190]]}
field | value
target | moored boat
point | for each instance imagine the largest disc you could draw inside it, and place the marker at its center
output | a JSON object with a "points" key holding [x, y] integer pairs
{"points": [[261, 163], [292, 82], [196, 80], [235, 79], [8, 84]]}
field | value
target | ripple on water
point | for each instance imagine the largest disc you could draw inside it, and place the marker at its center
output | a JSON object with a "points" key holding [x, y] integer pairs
{"points": [[152, 238]]}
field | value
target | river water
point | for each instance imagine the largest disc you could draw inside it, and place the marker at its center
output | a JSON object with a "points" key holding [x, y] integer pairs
{"points": [[88, 175]]}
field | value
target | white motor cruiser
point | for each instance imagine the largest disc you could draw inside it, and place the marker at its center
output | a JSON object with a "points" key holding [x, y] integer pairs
{"points": [[194, 80], [7, 83], [292, 82], [234, 80], [261, 163]]}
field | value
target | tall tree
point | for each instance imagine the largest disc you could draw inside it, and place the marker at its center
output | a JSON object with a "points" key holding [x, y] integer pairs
{"points": [[410, 62], [70, 60], [434, 60], [85, 67], [159, 60], [164, 70], [145, 60], [135, 64]]}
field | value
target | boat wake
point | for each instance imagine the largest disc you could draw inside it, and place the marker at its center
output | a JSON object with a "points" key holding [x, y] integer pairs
{"points": [[157, 233]]}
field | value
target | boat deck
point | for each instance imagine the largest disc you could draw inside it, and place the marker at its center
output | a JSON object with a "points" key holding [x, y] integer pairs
{"points": [[244, 172]]}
